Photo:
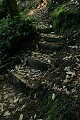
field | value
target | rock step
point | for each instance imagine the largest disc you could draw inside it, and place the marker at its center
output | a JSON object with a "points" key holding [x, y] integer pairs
{"points": [[50, 46], [25, 78], [16, 79], [30, 73], [45, 30], [37, 64], [53, 39], [45, 51], [37, 55]]}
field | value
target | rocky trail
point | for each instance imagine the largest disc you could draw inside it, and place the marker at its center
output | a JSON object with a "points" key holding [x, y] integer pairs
{"points": [[53, 68]]}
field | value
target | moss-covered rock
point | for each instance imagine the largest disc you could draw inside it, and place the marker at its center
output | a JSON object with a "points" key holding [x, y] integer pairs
{"points": [[66, 18]]}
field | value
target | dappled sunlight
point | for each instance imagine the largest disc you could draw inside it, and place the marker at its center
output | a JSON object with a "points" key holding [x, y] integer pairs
{"points": [[40, 6], [32, 12], [43, 4]]}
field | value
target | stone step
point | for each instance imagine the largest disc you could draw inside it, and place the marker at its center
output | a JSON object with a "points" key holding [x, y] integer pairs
{"points": [[53, 39], [25, 77], [37, 64], [39, 61], [45, 30], [45, 51], [30, 73], [50, 46], [16, 79], [37, 55]]}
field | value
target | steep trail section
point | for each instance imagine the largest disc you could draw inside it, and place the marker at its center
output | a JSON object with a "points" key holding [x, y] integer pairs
{"points": [[57, 72], [31, 72], [43, 18], [41, 14], [54, 70]]}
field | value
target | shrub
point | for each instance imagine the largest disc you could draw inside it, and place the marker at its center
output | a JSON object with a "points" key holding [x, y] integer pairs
{"points": [[66, 18], [16, 32]]}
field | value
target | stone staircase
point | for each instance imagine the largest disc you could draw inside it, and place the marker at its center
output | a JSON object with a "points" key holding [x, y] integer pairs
{"points": [[34, 68], [42, 72]]}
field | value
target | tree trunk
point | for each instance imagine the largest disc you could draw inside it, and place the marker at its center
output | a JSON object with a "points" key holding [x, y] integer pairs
{"points": [[12, 7], [79, 2]]}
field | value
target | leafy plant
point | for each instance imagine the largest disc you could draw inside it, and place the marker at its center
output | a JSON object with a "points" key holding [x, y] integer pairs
{"points": [[16, 32]]}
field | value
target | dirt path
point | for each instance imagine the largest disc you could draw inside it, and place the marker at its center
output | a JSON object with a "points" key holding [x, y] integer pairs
{"points": [[41, 14]]}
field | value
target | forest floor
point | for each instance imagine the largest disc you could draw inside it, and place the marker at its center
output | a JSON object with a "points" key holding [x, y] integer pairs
{"points": [[61, 80]]}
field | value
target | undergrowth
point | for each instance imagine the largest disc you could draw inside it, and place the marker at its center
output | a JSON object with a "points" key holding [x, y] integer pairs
{"points": [[14, 33]]}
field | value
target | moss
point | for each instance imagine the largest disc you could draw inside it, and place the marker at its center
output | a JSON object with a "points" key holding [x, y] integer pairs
{"points": [[66, 18]]}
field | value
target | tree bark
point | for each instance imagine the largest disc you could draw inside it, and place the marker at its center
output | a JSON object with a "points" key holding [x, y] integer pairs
{"points": [[12, 7], [79, 2]]}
